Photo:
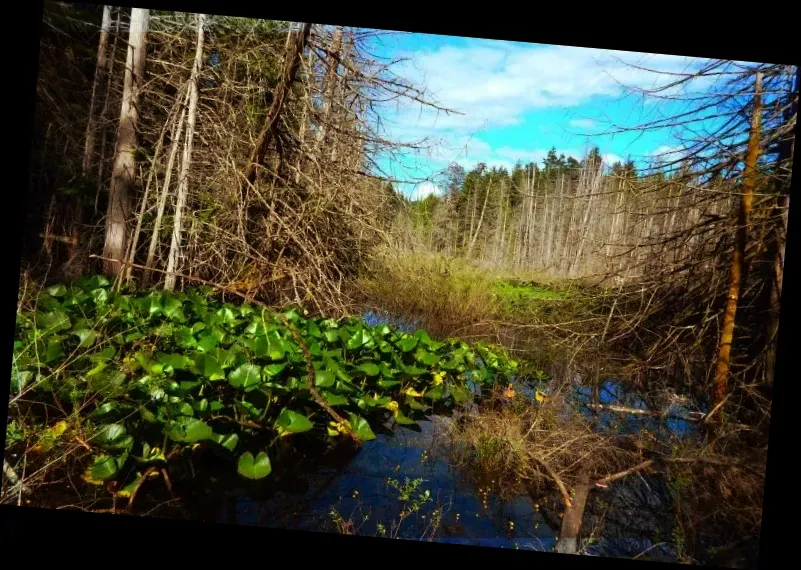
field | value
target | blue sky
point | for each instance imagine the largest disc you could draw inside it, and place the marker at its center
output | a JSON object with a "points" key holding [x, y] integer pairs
{"points": [[517, 100]]}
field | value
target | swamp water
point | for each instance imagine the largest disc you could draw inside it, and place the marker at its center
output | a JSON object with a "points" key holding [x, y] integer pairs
{"points": [[365, 490]]}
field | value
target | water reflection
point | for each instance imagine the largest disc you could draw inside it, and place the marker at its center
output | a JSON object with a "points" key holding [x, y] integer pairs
{"points": [[636, 512]]}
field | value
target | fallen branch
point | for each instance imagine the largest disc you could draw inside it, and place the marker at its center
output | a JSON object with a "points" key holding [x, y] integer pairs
{"points": [[557, 480], [690, 416], [11, 475]]}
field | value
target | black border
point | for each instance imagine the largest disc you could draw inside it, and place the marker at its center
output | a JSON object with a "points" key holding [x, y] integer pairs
{"points": [[721, 31]]}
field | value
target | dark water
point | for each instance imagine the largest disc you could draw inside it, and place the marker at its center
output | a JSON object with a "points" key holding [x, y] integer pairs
{"points": [[636, 511]]}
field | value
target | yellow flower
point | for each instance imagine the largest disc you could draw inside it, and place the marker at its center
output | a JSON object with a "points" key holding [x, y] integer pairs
{"points": [[438, 378], [539, 396], [412, 392], [393, 407], [509, 393]]}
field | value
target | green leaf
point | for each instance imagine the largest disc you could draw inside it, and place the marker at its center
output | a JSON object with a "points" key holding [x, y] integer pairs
{"points": [[332, 336], [459, 394], [107, 381], [292, 422], [53, 352], [58, 290], [407, 344], [324, 378], [104, 468], [174, 361], [369, 368], [184, 338], [361, 428], [248, 408], [52, 322], [189, 430], [106, 409], [435, 393], [359, 339], [245, 376], [87, 337], [207, 366], [273, 370], [229, 441], [207, 342], [388, 383], [260, 347], [427, 358], [400, 419], [109, 433], [334, 399], [251, 468], [104, 355]]}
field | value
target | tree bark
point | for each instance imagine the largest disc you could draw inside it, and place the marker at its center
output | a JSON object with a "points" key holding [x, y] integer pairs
{"points": [[177, 130], [100, 70], [749, 182], [186, 161], [123, 176]]}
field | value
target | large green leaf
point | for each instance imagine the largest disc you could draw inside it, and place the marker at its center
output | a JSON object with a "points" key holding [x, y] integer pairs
{"points": [[254, 468], [174, 361], [426, 357], [324, 378], [229, 441], [173, 308], [53, 352], [207, 366], [86, 337], [104, 468], [245, 376], [334, 399], [407, 344], [361, 428], [184, 338], [107, 382], [290, 422], [52, 322], [188, 430], [369, 368]]}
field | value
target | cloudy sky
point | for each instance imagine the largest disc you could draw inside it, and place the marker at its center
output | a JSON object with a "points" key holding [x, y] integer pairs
{"points": [[517, 100]]}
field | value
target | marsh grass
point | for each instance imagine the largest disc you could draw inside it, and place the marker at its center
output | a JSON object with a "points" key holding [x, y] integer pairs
{"points": [[523, 444]]}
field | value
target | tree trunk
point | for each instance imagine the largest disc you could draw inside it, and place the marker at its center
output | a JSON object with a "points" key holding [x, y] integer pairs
{"points": [[749, 182], [177, 130], [101, 163], [100, 69], [123, 176], [186, 161]]}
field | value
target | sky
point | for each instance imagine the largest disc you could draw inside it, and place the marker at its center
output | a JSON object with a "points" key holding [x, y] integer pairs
{"points": [[516, 101]]}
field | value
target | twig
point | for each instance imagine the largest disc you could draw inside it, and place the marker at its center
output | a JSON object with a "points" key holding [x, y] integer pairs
{"points": [[14, 479]]}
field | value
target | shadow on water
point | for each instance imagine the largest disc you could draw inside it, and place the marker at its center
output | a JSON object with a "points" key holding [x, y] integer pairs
{"points": [[636, 513]]}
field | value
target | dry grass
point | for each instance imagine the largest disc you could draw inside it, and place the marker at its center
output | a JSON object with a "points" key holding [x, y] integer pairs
{"points": [[518, 441]]}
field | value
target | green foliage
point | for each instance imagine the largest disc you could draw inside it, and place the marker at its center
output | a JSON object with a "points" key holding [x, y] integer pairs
{"points": [[174, 371]]}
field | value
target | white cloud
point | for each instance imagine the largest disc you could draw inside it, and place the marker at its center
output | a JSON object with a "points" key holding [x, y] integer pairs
{"points": [[610, 159], [582, 123], [494, 84], [425, 190]]}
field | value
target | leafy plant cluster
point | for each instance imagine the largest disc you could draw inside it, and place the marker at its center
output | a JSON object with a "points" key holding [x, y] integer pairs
{"points": [[157, 373]]}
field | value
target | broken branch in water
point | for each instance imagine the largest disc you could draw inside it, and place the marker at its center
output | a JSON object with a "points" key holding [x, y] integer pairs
{"points": [[689, 416]]}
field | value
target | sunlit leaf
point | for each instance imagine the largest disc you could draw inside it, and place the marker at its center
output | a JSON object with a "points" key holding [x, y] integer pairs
{"points": [[245, 376], [292, 422], [254, 468]]}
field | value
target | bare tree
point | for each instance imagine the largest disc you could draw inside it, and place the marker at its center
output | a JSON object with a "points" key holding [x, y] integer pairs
{"points": [[183, 179], [123, 176]]}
